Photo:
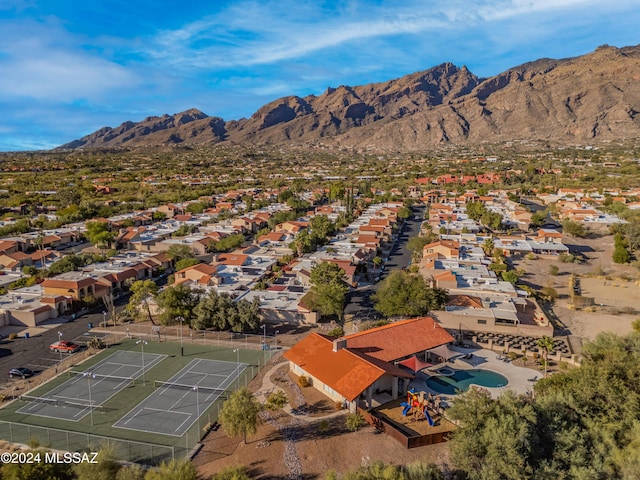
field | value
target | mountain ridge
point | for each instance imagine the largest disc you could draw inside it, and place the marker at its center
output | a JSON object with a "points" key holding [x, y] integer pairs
{"points": [[588, 98]]}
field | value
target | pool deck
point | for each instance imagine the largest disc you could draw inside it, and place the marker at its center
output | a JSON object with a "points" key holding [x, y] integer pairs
{"points": [[520, 378]]}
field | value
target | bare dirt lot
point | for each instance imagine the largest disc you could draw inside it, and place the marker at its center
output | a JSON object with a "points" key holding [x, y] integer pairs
{"points": [[614, 287], [308, 446]]}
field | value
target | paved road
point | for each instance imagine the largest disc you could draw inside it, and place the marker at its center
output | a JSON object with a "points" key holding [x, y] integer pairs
{"points": [[34, 353], [360, 304]]}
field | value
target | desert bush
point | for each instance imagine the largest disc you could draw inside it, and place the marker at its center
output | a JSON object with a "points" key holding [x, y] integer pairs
{"points": [[554, 270], [323, 426], [353, 421], [336, 332], [13, 336], [303, 381]]}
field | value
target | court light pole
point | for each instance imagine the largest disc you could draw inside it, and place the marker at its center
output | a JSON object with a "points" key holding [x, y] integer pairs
{"points": [[276, 338], [104, 319], [181, 345], [142, 344], [237, 351], [197, 411], [59, 340], [89, 376], [264, 341]]}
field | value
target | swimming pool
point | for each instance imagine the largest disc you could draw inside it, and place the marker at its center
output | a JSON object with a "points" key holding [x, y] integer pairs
{"points": [[462, 379]]}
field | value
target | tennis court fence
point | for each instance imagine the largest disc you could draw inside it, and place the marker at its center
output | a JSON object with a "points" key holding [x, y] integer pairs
{"points": [[66, 440]]}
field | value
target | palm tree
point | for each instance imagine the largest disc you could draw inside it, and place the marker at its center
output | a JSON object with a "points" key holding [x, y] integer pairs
{"points": [[546, 344]]}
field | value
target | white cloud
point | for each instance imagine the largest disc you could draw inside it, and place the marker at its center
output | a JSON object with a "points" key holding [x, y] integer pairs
{"points": [[42, 61], [251, 33]]}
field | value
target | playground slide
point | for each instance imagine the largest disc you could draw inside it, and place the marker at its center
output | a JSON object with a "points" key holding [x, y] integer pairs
{"points": [[428, 417], [406, 408]]}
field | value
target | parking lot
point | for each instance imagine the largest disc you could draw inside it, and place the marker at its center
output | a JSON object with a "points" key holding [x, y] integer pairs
{"points": [[34, 352]]}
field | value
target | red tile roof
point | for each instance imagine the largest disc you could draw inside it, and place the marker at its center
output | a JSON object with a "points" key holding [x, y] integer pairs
{"points": [[399, 339], [347, 373]]}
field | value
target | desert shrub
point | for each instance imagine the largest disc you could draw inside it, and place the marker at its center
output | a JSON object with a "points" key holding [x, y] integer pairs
{"points": [[13, 336], [530, 256], [323, 426], [554, 270], [353, 421], [336, 332], [303, 381], [338, 405], [512, 355]]}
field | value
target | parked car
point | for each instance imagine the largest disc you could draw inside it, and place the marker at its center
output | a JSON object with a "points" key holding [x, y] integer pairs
{"points": [[21, 372], [64, 346]]}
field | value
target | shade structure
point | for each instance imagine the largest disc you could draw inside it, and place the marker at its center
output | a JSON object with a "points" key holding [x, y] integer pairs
{"points": [[414, 363]]}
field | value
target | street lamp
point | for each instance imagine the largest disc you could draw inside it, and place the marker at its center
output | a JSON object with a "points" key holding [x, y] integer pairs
{"points": [[104, 319], [89, 376], [276, 338], [59, 348], [181, 347], [264, 341], [237, 350], [142, 344], [197, 411]]}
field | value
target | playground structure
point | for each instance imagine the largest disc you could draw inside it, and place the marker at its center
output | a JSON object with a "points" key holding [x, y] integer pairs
{"points": [[418, 406]]}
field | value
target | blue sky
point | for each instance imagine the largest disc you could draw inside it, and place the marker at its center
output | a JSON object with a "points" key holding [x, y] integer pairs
{"points": [[70, 67]]}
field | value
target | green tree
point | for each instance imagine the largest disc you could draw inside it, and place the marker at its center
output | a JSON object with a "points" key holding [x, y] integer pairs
{"points": [[196, 207], [496, 438], [178, 301], [620, 252], [321, 228], [220, 312], [545, 343], [239, 414], [329, 290], [407, 294], [575, 229], [99, 234], [159, 216], [303, 243], [141, 292], [179, 251], [416, 244], [105, 468], [538, 219], [181, 469], [404, 213], [186, 263], [510, 276]]}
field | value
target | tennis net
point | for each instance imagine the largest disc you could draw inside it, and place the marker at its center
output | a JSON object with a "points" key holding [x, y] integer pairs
{"points": [[58, 402], [40, 400], [108, 378], [185, 388], [81, 405]]}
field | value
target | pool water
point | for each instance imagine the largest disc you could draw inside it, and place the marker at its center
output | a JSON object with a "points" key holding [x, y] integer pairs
{"points": [[462, 379]]}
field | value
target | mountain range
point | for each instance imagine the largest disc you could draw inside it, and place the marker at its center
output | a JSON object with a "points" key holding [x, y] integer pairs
{"points": [[586, 99]]}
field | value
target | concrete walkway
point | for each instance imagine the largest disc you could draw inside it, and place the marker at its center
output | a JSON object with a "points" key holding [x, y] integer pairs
{"points": [[268, 387]]}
